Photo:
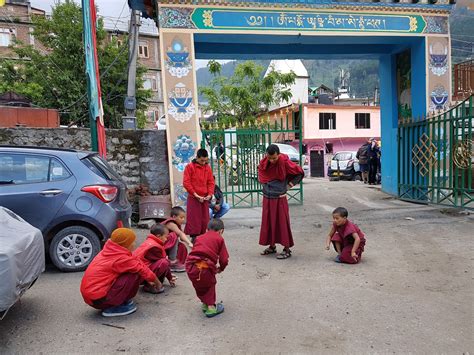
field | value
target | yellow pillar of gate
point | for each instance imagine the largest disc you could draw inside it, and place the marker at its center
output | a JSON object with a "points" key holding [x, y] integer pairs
{"points": [[181, 106]]}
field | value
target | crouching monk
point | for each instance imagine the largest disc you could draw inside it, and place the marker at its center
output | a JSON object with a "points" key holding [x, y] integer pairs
{"points": [[277, 173], [201, 266]]}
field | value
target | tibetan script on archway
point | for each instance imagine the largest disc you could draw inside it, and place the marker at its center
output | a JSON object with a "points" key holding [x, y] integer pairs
{"points": [[205, 18]]}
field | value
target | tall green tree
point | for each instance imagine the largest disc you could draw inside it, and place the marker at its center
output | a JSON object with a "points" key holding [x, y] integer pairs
{"points": [[247, 93], [52, 73]]}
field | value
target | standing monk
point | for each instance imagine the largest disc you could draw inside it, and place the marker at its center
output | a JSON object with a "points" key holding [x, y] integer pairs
{"points": [[199, 183], [277, 173]]}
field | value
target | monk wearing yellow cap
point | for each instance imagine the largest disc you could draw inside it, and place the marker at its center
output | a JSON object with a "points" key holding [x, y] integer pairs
{"points": [[113, 277]]}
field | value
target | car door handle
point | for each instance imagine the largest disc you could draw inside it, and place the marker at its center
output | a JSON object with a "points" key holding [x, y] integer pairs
{"points": [[52, 192]]}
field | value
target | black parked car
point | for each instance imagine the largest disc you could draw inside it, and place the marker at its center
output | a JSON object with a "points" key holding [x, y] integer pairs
{"points": [[75, 198]]}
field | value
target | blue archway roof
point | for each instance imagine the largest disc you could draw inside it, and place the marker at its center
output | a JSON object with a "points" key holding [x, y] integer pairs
{"points": [[148, 8]]}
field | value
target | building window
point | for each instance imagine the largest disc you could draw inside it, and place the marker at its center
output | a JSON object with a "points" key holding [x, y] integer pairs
{"points": [[362, 120], [150, 84], [7, 36], [32, 37], [143, 50], [150, 116], [327, 120]]}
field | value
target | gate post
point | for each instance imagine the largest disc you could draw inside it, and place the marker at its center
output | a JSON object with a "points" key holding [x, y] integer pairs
{"points": [[438, 59], [181, 106]]}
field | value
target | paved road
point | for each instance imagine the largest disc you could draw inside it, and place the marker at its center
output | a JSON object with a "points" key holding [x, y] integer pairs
{"points": [[412, 293]]}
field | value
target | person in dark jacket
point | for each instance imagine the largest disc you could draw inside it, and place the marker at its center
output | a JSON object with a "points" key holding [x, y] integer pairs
{"points": [[373, 154], [218, 208], [363, 156]]}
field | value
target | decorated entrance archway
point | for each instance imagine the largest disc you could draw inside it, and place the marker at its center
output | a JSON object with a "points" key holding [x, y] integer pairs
{"points": [[411, 42]]}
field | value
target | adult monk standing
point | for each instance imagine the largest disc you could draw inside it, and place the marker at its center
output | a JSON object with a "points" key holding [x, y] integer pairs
{"points": [[277, 173], [199, 183]]}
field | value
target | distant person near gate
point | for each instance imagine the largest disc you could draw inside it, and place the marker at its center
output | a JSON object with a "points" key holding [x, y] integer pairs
{"points": [[199, 183], [363, 156], [277, 173], [219, 208], [374, 157]]}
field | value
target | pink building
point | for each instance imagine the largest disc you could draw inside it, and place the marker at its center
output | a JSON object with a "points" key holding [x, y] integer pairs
{"points": [[328, 129]]}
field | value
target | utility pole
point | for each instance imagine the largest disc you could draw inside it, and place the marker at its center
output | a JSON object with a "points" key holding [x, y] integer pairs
{"points": [[130, 120]]}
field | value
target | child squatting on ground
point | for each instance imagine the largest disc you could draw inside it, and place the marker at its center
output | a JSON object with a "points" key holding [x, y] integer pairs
{"points": [[201, 266], [152, 253], [346, 237], [177, 239], [113, 277]]}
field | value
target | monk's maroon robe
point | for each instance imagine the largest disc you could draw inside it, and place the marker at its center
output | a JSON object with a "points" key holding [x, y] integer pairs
{"points": [[197, 179], [343, 235], [201, 265], [172, 240], [275, 227]]}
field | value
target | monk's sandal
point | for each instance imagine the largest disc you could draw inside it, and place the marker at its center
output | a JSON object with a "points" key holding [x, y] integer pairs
{"points": [[269, 250], [285, 254]]}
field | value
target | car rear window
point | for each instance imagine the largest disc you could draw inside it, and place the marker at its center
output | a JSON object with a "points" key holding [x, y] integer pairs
{"points": [[100, 167]]}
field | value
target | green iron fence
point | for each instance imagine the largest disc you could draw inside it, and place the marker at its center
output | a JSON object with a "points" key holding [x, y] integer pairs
{"points": [[236, 151], [436, 159]]}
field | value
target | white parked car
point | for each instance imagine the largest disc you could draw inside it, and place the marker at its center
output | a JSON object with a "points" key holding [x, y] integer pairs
{"points": [[253, 156], [294, 156], [160, 124], [344, 165], [21, 258]]}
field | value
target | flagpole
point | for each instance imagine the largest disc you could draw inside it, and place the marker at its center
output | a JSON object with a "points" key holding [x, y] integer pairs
{"points": [[97, 129]]}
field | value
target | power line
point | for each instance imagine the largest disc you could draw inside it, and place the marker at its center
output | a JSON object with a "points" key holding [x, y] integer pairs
{"points": [[103, 74], [463, 50], [458, 40]]}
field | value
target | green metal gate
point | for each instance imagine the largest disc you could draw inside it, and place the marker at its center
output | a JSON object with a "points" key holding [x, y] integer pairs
{"points": [[236, 150], [435, 160]]}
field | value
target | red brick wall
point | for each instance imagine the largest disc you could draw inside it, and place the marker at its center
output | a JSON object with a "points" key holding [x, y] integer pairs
{"points": [[28, 117]]}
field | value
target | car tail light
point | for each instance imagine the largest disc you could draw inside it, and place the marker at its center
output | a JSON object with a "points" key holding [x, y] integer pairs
{"points": [[105, 193]]}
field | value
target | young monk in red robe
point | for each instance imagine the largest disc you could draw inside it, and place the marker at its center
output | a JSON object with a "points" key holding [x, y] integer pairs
{"points": [[113, 277], [199, 182], [201, 266], [152, 253], [175, 245], [347, 239], [277, 173]]}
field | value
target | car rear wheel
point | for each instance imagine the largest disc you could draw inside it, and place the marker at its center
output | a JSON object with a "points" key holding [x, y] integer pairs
{"points": [[73, 248]]}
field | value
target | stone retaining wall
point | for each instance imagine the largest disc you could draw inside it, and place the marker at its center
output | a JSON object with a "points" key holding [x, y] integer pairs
{"points": [[140, 157]]}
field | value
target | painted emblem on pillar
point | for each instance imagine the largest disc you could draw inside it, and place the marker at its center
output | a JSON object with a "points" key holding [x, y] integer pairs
{"points": [[439, 98], [183, 149], [177, 62], [438, 59], [436, 24], [174, 17], [181, 106], [180, 194]]}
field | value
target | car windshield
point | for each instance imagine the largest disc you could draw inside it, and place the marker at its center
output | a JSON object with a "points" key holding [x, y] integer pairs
{"points": [[343, 156], [287, 149]]}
